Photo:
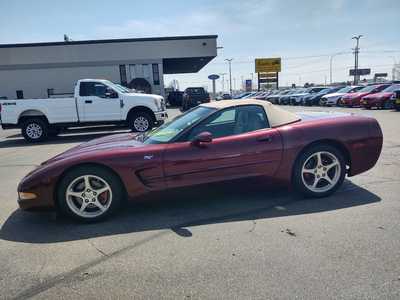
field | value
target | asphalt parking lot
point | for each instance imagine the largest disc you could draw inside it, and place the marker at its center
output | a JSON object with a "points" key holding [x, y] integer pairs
{"points": [[227, 241]]}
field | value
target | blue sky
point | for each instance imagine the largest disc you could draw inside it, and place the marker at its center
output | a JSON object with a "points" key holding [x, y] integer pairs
{"points": [[246, 29]]}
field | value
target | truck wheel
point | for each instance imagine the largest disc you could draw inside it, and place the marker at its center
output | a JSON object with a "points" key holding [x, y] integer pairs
{"points": [[140, 122], [34, 130]]}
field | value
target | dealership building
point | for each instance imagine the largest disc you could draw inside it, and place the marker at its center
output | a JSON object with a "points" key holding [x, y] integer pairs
{"points": [[38, 70]]}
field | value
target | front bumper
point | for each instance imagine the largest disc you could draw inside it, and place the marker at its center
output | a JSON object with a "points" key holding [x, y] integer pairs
{"points": [[161, 116]]}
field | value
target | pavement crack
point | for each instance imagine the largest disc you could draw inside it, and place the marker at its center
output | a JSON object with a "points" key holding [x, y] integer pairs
{"points": [[68, 277], [253, 227], [97, 249]]}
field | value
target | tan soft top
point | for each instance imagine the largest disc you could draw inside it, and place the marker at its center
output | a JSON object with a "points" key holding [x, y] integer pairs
{"points": [[276, 115]]}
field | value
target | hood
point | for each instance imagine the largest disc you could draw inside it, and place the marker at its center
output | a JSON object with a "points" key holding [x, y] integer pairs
{"points": [[111, 142], [300, 94], [311, 116], [145, 96]]}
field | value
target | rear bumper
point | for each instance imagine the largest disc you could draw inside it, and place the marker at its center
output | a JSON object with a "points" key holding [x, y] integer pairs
{"points": [[9, 126]]}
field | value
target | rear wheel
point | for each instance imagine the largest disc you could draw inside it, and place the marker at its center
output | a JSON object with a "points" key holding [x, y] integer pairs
{"points": [[319, 171], [34, 130], [89, 194]]}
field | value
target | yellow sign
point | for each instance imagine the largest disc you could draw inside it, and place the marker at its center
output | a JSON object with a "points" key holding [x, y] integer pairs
{"points": [[268, 64]]}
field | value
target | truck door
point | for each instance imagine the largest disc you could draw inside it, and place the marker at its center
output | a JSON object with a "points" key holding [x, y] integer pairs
{"points": [[97, 102]]}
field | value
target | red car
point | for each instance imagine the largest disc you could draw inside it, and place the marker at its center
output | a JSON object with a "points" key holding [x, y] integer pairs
{"points": [[382, 99], [216, 141], [354, 99]]}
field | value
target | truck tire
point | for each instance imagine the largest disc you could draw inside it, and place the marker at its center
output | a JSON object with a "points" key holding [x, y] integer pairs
{"points": [[140, 121], [34, 130]]}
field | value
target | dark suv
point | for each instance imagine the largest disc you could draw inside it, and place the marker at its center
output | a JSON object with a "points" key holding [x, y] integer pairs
{"points": [[194, 96]]}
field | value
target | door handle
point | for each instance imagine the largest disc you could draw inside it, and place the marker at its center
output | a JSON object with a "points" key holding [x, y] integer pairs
{"points": [[265, 139], [88, 101]]}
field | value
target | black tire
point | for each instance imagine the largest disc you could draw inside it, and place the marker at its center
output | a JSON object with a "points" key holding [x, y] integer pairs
{"points": [[140, 121], [299, 183], [117, 193], [34, 130]]}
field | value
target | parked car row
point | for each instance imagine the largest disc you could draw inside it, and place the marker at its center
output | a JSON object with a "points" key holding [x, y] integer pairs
{"points": [[380, 95]]}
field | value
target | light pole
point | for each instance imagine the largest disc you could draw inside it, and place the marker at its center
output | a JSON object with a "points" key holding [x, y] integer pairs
{"points": [[223, 81], [229, 60], [356, 51], [394, 67]]}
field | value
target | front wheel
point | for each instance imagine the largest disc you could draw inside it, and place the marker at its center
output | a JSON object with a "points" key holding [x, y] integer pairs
{"points": [[89, 194], [140, 122], [319, 171]]}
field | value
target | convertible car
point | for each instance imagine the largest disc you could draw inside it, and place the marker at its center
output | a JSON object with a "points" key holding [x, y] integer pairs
{"points": [[215, 141]]}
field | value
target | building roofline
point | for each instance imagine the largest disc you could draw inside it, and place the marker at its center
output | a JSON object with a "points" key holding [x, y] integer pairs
{"points": [[110, 41]]}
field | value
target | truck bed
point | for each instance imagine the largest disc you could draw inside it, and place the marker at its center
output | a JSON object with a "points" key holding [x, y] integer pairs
{"points": [[57, 110]]}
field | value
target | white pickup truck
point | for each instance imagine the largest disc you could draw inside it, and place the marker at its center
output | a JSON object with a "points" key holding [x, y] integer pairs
{"points": [[95, 102]]}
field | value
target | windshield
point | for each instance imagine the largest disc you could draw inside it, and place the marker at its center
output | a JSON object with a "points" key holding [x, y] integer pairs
{"points": [[392, 88], [346, 89], [117, 87], [170, 130]]}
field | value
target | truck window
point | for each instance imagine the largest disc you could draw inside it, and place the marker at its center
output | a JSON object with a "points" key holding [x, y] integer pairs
{"points": [[92, 89]]}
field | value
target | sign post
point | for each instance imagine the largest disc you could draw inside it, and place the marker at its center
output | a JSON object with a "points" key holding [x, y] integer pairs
{"points": [[213, 77]]}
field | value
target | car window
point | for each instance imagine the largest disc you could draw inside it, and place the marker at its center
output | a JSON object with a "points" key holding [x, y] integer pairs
{"points": [[232, 121], [92, 89]]}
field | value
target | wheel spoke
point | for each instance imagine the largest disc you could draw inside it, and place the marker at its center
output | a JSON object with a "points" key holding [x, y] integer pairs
{"points": [[308, 171], [328, 179], [83, 206], [315, 183], [102, 190], [75, 194], [99, 205], [319, 159], [87, 183], [331, 165]]}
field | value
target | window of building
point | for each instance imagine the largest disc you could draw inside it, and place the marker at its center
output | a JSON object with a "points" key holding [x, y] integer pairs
{"points": [[122, 74], [156, 75], [20, 94]]}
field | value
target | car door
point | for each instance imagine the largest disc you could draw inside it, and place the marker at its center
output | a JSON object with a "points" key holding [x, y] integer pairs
{"points": [[97, 103], [242, 146]]}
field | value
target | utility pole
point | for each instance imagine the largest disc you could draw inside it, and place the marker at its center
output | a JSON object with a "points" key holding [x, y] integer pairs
{"points": [[229, 60], [223, 81], [356, 51]]}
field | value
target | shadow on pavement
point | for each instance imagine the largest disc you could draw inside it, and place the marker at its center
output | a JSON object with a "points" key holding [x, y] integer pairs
{"points": [[181, 209], [70, 136]]}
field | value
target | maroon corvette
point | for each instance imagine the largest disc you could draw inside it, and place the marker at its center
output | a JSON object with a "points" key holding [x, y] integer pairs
{"points": [[213, 142]]}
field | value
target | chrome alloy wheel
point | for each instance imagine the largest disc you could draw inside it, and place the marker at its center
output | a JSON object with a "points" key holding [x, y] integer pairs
{"points": [[141, 124], [89, 196], [321, 171], [34, 131]]}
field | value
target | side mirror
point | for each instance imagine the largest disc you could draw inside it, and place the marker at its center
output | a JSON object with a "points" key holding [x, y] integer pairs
{"points": [[110, 94], [204, 137]]}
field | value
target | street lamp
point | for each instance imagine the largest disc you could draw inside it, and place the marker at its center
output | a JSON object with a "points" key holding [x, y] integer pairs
{"points": [[223, 81], [229, 60], [356, 50], [394, 67]]}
